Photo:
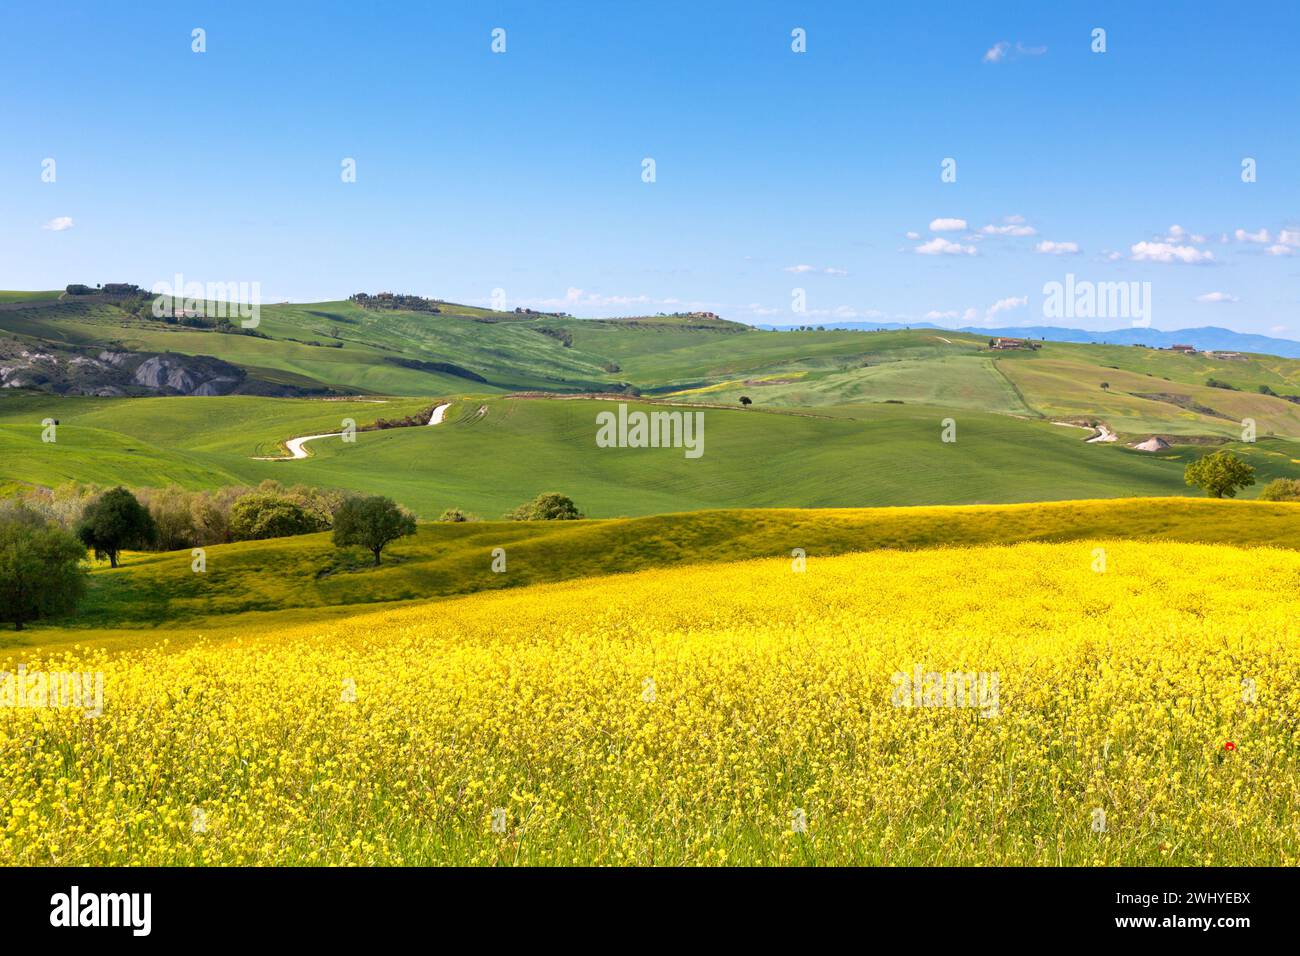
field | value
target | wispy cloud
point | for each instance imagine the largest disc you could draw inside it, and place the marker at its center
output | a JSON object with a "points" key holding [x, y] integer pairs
{"points": [[1009, 228], [947, 225], [1216, 297], [939, 246], [818, 270], [997, 52], [1002, 50], [1050, 248], [1004, 305], [1262, 236], [973, 315], [1168, 252], [1177, 234], [59, 224]]}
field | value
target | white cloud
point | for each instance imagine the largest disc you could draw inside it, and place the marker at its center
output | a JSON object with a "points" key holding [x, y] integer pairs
{"points": [[820, 270], [1168, 252], [59, 224], [939, 246], [1048, 247], [1014, 219], [1010, 229], [1112, 256], [1216, 297], [594, 298], [1176, 234], [997, 52], [1002, 305], [1289, 237], [1279, 250], [1277, 328], [844, 313], [579, 297], [913, 235], [970, 316], [947, 225], [1243, 236]]}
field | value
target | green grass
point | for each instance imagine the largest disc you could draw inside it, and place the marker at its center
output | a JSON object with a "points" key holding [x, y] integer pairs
{"points": [[289, 580], [947, 381], [851, 456], [196, 442], [1067, 389], [344, 348], [11, 296]]}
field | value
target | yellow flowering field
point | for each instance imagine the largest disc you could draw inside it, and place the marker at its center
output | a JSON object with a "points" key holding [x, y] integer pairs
{"points": [[1139, 703]]}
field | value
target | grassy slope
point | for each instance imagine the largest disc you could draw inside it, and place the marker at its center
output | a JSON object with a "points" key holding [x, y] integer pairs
{"points": [[510, 353], [12, 296], [1067, 388], [944, 381], [854, 456], [268, 583], [192, 441], [678, 355]]}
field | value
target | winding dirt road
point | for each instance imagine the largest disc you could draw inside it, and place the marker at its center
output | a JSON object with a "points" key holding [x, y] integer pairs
{"points": [[296, 449]]}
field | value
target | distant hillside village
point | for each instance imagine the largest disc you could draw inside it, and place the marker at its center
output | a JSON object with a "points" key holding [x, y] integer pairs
{"points": [[417, 303], [1002, 343], [391, 301], [110, 289], [1193, 350]]}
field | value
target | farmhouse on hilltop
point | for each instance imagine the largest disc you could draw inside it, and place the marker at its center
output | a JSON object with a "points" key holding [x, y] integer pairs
{"points": [[1004, 343]]}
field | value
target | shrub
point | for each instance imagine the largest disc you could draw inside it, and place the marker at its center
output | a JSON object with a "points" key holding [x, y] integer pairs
{"points": [[455, 514], [1281, 489], [256, 516], [548, 506], [371, 522], [173, 513]]}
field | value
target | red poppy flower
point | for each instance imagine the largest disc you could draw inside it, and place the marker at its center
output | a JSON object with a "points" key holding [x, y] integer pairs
{"points": [[1229, 746]]}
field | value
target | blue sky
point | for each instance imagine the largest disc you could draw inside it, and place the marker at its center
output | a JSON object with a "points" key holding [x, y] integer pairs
{"points": [[775, 170]]}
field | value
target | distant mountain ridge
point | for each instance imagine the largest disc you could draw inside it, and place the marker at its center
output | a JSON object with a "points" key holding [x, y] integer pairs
{"points": [[1206, 338]]}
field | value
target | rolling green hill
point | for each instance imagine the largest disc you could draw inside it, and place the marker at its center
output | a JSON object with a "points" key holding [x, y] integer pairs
{"points": [[839, 418], [492, 453], [343, 348]]}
